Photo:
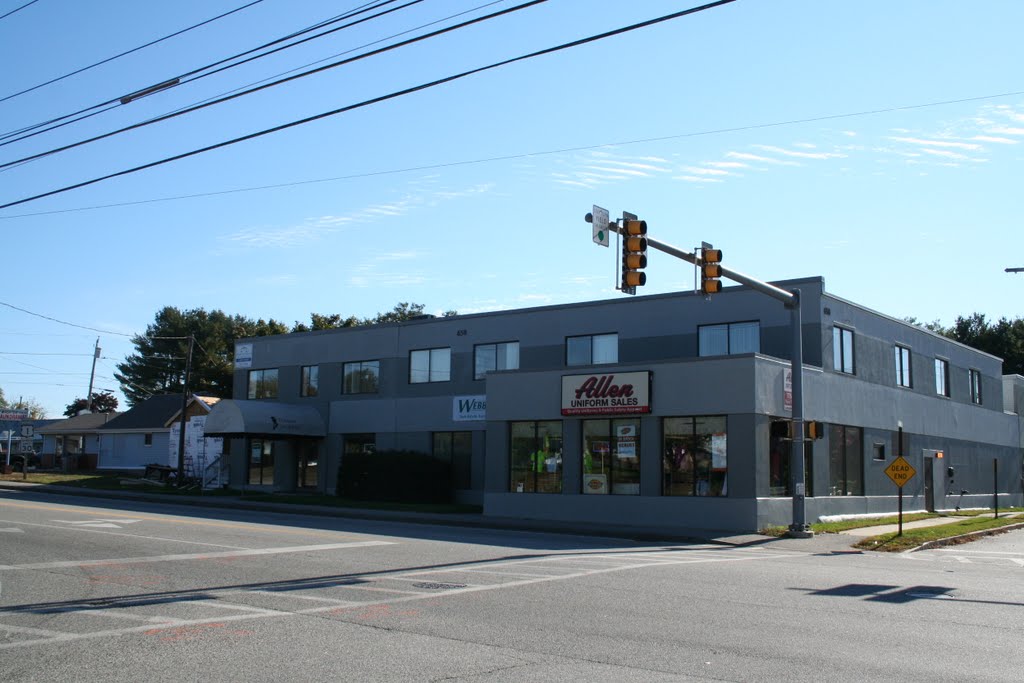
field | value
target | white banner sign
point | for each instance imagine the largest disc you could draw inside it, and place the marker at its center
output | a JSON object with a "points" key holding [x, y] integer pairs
{"points": [[469, 408], [614, 393], [243, 355]]}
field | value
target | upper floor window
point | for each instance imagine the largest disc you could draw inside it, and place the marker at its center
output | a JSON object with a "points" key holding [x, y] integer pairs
{"points": [[942, 377], [729, 339], [490, 357], [975, 377], [842, 350], [263, 383], [592, 349], [361, 378], [430, 365], [310, 380], [147, 440], [902, 355]]}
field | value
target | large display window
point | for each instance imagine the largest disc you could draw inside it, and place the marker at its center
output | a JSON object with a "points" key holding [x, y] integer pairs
{"points": [[611, 456], [696, 456], [536, 457]]}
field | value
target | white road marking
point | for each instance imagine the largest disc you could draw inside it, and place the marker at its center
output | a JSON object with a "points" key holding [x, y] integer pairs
{"points": [[684, 557], [974, 552], [97, 523], [145, 538], [194, 556], [12, 530]]}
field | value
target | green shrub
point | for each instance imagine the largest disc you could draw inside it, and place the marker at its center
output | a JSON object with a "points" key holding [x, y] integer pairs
{"points": [[395, 476]]}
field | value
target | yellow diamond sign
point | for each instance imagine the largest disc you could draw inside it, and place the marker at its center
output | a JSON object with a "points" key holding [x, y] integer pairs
{"points": [[900, 471]]}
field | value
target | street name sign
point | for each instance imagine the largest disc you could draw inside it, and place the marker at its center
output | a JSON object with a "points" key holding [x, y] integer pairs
{"points": [[900, 471]]}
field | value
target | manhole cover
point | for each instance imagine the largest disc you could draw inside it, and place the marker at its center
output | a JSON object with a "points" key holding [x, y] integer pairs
{"points": [[438, 586]]}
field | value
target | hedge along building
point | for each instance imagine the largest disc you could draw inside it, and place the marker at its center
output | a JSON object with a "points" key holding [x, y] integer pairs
{"points": [[655, 411]]}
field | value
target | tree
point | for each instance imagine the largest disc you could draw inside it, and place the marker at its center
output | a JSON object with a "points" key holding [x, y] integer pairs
{"points": [[1004, 339], [35, 409], [104, 402], [158, 364], [400, 313]]}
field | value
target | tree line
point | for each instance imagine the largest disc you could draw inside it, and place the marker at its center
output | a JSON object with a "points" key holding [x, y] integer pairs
{"points": [[1003, 338], [157, 366]]}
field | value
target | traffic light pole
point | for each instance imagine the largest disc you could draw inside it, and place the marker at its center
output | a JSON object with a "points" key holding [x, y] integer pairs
{"points": [[791, 300]]}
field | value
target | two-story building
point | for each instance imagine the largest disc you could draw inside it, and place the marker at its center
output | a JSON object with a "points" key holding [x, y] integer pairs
{"points": [[663, 411]]}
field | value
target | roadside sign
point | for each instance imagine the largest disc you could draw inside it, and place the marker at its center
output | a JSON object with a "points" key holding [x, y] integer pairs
{"points": [[900, 471], [600, 223]]}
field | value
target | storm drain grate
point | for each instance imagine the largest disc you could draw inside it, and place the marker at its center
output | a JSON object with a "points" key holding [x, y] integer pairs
{"points": [[429, 585]]}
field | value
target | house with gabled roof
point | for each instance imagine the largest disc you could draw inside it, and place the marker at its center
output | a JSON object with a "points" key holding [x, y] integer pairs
{"points": [[73, 443]]}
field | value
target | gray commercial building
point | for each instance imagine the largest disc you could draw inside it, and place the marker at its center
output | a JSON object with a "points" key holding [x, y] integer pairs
{"points": [[668, 411]]}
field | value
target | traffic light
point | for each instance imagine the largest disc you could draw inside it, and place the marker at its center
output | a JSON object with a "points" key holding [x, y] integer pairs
{"points": [[710, 271], [813, 430], [634, 255]]}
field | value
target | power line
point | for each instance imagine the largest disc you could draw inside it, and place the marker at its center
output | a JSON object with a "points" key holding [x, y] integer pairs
{"points": [[189, 76], [382, 98], [235, 95], [18, 9], [128, 52], [524, 155]]}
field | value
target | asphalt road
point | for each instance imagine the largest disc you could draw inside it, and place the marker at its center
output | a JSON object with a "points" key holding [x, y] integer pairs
{"points": [[127, 591]]}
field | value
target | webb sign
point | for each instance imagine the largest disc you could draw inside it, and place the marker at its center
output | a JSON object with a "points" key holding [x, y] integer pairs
{"points": [[617, 393]]}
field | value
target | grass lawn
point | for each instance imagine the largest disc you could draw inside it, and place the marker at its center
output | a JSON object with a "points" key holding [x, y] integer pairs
{"points": [[913, 538]]}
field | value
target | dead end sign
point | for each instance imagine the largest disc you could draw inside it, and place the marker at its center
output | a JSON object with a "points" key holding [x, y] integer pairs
{"points": [[900, 471]]}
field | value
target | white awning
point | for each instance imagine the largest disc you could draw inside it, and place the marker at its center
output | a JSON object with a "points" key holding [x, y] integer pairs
{"points": [[263, 418]]}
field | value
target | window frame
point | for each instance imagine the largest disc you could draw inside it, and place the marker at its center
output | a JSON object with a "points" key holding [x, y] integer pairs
{"points": [[430, 369], [840, 362], [590, 349], [902, 357], [364, 365], [309, 379], [548, 436], [942, 373], [259, 388], [714, 485], [974, 382], [477, 374], [729, 341], [837, 437]]}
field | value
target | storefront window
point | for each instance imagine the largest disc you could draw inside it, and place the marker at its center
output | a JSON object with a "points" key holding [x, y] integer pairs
{"points": [[359, 443], [308, 465], [261, 462], [695, 456], [536, 457], [846, 460], [456, 449], [611, 456], [780, 453]]}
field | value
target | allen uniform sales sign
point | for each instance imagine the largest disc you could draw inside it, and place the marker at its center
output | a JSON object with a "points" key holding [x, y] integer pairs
{"points": [[613, 393]]}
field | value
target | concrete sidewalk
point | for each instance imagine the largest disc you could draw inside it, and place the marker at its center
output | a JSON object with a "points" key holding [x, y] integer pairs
{"points": [[820, 543]]}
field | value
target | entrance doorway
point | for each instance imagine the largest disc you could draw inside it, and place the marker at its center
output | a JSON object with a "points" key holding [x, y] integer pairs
{"points": [[308, 475]]}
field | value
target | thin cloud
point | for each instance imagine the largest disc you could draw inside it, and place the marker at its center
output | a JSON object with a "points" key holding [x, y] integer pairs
{"points": [[800, 155], [939, 143], [697, 179], [747, 156], [726, 164], [697, 170]]}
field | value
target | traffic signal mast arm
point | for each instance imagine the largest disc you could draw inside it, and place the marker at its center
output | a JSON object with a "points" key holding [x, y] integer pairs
{"points": [[787, 298]]}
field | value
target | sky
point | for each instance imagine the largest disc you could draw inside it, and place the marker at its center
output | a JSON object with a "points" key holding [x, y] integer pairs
{"points": [[876, 144]]}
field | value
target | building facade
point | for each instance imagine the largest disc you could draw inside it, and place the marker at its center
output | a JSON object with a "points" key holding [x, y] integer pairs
{"points": [[664, 411]]}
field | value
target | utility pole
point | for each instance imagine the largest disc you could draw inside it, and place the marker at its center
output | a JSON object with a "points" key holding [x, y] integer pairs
{"points": [[799, 528], [184, 405], [92, 376]]}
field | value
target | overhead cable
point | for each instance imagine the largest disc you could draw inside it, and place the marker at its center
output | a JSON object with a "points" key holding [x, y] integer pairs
{"points": [[189, 76], [126, 52]]}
